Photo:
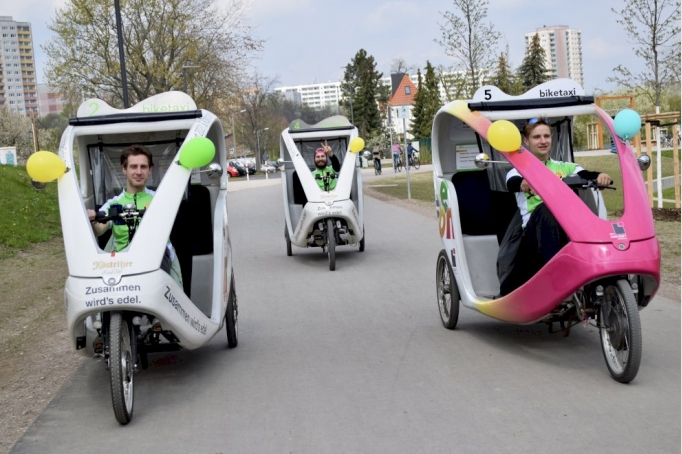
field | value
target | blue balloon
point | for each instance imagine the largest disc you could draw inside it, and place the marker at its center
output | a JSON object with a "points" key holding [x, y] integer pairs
{"points": [[627, 124]]}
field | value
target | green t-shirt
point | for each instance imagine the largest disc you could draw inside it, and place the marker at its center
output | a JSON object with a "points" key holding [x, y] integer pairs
{"points": [[322, 173], [528, 203], [141, 200]]}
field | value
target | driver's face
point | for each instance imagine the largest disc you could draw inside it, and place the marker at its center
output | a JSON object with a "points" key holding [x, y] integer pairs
{"points": [[539, 142], [320, 160], [137, 172]]}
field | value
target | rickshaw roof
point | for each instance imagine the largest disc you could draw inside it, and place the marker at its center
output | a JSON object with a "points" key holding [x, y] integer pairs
{"points": [[555, 98], [335, 123], [169, 106]]}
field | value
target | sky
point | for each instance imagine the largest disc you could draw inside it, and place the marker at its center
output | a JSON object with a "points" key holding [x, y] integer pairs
{"points": [[309, 41]]}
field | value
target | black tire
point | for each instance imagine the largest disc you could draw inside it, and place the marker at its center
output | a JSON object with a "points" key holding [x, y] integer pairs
{"points": [[417, 164], [376, 168], [331, 244], [620, 331], [231, 325], [447, 293], [288, 240], [362, 241], [400, 166], [121, 364]]}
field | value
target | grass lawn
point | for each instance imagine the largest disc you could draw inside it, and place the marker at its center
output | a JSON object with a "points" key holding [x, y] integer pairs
{"points": [[26, 214]]}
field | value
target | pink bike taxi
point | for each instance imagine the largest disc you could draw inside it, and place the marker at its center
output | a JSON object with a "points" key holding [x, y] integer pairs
{"points": [[610, 268]]}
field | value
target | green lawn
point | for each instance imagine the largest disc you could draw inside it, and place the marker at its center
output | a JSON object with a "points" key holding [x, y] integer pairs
{"points": [[26, 215], [421, 184]]}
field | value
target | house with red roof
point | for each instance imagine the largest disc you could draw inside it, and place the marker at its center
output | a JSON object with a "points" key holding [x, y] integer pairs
{"points": [[401, 101]]}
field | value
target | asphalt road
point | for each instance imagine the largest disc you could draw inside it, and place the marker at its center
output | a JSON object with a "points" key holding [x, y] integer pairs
{"points": [[356, 361]]}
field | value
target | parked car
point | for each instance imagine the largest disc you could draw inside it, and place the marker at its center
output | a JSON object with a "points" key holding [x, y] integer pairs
{"points": [[266, 167], [240, 168], [233, 172]]}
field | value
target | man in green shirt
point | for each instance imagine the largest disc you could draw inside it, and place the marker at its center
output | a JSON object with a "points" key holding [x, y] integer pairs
{"points": [[325, 172], [543, 237], [136, 165]]}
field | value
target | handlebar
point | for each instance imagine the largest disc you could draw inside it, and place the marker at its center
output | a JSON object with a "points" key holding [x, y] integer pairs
{"points": [[577, 182], [120, 214]]}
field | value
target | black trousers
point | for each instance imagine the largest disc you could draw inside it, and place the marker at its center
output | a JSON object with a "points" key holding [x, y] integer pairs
{"points": [[542, 239]]}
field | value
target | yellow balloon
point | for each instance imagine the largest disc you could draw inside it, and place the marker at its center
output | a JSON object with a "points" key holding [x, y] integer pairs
{"points": [[45, 166], [504, 136], [357, 145]]}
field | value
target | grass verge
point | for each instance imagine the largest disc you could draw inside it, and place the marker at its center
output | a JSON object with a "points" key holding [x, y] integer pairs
{"points": [[26, 215]]}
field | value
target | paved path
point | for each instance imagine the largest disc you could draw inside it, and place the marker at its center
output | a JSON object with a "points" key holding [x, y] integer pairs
{"points": [[356, 361]]}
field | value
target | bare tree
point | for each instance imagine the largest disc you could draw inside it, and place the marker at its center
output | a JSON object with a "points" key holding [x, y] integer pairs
{"points": [[399, 66], [654, 28], [254, 97], [469, 40], [160, 38]]}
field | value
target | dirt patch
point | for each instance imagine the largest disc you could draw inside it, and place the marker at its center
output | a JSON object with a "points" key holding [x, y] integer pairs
{"points": [[660, 214], [36, 357]]}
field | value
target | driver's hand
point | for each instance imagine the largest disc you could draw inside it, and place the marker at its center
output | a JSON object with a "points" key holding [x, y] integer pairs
{"points": [[604, 179], [525, 187], [92, 215], [327, 149]]}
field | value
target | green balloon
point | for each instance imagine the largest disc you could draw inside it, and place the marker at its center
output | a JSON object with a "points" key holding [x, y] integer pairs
{"points": [[196, 153]]}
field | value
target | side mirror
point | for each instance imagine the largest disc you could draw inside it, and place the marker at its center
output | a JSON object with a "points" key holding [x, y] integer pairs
{"points": [[367, 155], [482, 160], [644, 162], [213, 171]]}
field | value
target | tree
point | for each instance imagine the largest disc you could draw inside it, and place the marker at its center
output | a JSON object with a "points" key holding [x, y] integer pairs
{"points": [[427, 103], [16, 131], [399, 66], [160, 37], [654, 28], [503, 77], [454, 83], [533, 71], [362, 81], [467, 38]]}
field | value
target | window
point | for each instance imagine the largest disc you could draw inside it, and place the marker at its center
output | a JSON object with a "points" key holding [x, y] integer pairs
{"points": [[407, 90]]}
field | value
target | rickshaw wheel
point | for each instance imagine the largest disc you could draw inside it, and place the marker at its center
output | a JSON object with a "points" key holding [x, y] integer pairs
{"points": [[288, 240], [121, 365], [447, 292], [331, 244], [231, 313], [620, 331], [362, 241]]}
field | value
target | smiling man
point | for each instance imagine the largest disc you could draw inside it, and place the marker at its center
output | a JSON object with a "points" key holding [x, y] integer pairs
{"points": [[543, 237], [136, 165]]}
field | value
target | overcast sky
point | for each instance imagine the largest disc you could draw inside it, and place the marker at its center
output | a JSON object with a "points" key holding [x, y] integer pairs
{"points": [[310, 41]]}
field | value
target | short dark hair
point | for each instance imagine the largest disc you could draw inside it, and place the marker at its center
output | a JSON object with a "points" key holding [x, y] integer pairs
{"points": [[534, 123], [135, 150]]}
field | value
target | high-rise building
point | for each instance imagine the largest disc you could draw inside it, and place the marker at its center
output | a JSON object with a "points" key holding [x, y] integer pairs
{"points": [[315, 95], [563, 50], [17, 67]]}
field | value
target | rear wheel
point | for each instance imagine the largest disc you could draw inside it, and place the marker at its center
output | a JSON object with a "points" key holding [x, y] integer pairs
{"points": [[400, 166], [231, 316], [447, 292], [121, 365], [286, 237], [331, 244], [376, 168], [621, 331]]}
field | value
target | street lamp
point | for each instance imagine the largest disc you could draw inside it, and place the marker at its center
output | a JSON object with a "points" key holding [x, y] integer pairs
{"points": [[121, 55], [184, 74]]}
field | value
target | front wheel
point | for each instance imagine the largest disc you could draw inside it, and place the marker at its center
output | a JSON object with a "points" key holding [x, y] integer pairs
{"points": [[331, 244], [288, 240], [447, 292], [400, 166], [417, 164], [121, 365], [621, 331], [231, 316], [362, 241]]}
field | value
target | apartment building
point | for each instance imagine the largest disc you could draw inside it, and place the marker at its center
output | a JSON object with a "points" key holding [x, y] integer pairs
{"points": [[49, 100], [18, 80], [563, 50], [314, 95]]}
